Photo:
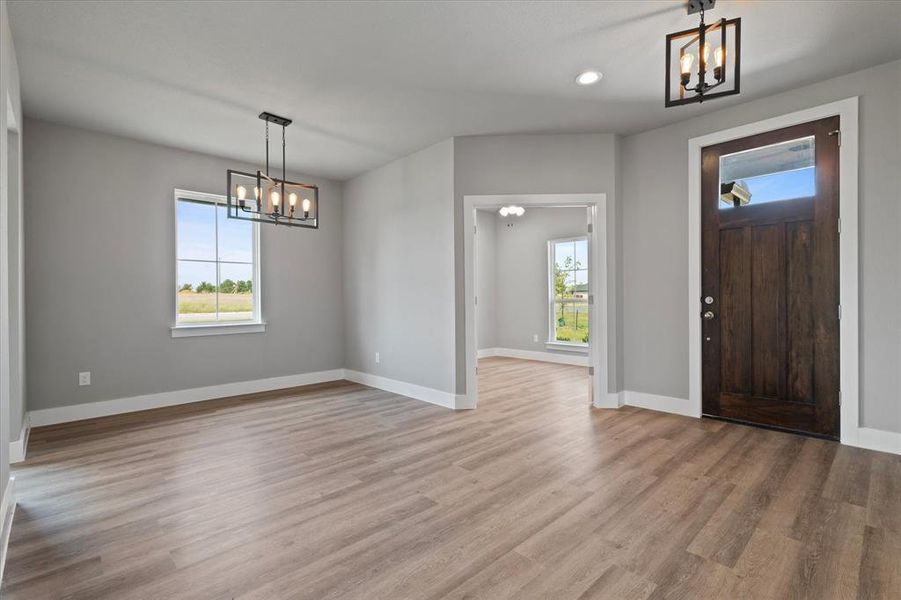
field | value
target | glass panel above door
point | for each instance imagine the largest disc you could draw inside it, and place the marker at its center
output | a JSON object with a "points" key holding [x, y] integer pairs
{"points": [[774, 173]]}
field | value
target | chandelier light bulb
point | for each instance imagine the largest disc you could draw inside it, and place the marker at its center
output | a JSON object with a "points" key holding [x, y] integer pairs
{"points": [[274, 196], [306, 205], [256, 192], [705, 54], [504, 211], [242, 192], [686, 62], [718, 58], [292, 199]]}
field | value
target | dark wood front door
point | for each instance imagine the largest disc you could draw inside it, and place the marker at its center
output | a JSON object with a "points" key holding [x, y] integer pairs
{"points": [[770, 279]]}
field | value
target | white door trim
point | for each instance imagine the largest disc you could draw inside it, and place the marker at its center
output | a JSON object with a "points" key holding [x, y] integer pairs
{"points": [[849, 384], [597, 282]]}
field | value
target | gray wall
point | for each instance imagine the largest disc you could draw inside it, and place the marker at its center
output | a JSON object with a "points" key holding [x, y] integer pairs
{"points": [[399, 269], [486, 279], [100, 275], [521, 278], [10, 103], [655, 238], [541, 164]]}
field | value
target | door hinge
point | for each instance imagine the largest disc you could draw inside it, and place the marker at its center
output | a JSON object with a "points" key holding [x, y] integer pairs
{"points": [[838, 135], [839, 224], [590, 299], [839, 397], [476, 300], [590, 228], [839, 312], [475, 229], [591, 370]]}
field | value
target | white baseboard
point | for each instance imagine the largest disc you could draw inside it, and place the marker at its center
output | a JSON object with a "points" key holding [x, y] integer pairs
{"points": [[580, 360], [105, 408], [7, 511], [878, 439], [867, 437], [17, 448], [411, 390], [678, 406], [872, 439]]}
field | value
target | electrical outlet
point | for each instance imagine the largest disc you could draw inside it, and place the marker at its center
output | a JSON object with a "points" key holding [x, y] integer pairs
{"points": [[378, 358], [535, 337], [84, 378]]}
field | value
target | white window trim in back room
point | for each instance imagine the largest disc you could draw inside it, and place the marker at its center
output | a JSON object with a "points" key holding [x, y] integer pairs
{"points": [[551, 343], [257, 324]]}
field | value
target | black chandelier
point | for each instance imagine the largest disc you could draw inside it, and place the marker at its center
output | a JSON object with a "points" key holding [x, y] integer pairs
{"points": [[275, 201], [685, 49]]}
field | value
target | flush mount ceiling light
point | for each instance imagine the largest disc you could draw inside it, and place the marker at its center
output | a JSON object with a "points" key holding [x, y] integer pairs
{"points": [[588, 77], [693, 48], [270, 199], [512, 211]]}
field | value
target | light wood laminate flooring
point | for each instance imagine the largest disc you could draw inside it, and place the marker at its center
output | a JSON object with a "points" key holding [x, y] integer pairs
{"points": [[343, 491]]}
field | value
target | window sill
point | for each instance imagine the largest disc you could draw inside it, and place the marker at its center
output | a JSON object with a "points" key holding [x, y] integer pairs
{"points": [[217, 329], [567, 347]]}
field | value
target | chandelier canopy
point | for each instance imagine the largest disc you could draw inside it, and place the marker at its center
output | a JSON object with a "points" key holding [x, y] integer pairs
{"points": [[263, 198]]}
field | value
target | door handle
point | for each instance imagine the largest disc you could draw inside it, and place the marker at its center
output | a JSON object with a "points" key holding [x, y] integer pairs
{"points": [[708, 315]]}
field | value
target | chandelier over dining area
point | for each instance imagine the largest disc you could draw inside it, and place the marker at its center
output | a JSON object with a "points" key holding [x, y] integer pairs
{"points": [[264, 198]]}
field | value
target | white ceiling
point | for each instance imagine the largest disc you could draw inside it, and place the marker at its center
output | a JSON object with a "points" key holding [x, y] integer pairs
{"points": [[367, 82]]}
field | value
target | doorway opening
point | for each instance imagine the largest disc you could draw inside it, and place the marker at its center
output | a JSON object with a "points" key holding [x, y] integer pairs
{"points": [[535, 284], [532, 290], [841, 419]]}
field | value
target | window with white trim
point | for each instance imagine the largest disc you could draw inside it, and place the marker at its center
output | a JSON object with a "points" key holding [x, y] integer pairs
{"points": [[217, 263], [568, 291]]}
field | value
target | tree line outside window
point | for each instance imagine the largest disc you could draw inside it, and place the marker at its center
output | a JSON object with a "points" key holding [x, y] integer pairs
{"points": [[227, 286]]}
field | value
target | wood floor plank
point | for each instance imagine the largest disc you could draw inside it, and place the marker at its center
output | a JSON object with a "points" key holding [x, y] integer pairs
{"points": [[342, 491], [880, 567]]}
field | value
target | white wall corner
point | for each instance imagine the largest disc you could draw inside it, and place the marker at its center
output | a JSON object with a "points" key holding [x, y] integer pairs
{"points": [[610, 400], [463, 402], [403, 388], [19, 446], [7, 511]]}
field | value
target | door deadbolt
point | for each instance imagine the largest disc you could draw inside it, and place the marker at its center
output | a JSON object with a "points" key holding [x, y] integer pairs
{"points": [[708, 315]]}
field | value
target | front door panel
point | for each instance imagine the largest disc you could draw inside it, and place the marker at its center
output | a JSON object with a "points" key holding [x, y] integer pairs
{"points": [[770, 279]]}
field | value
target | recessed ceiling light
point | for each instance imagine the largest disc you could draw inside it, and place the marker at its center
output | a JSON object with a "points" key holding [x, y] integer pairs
{"points": [[589, 77]]}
